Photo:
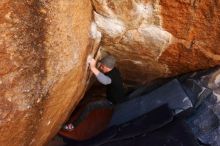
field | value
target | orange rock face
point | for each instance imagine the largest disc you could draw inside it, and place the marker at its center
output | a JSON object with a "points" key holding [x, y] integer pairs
{"points": [[44, 46], [159, 38], [197, 25], [43, 52]]}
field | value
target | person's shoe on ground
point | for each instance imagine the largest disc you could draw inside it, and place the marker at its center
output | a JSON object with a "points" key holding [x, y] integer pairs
{"points": [[68, 127]]}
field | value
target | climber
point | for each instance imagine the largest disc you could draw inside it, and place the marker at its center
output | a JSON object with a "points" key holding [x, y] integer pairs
{"points": [[111, 78]]}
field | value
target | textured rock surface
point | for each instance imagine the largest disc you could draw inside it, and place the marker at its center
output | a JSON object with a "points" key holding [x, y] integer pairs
{"points": [[44, 47], [159, 38], [205, 121], [43, 52]]}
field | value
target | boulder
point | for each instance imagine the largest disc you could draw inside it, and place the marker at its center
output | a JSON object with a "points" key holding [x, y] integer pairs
{"points": [[43, 75], [44, 47], [156, 39]]}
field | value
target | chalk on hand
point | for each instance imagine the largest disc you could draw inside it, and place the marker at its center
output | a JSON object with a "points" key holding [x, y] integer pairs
{"points": [[89, 59]]}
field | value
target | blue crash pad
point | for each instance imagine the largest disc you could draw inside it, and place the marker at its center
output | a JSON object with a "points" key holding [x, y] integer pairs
{"points": [[170, 93]]}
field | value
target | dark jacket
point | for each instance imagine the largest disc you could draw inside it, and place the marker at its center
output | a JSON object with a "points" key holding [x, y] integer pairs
{"points": [[115, 90]]}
